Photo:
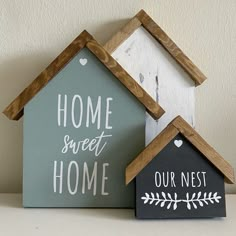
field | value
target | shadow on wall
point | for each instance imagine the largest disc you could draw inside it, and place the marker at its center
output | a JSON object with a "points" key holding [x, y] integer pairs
{"points": [[15, 75]]}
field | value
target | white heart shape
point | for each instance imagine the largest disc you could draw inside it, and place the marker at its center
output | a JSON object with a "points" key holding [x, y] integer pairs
{"points": [[83, 61], [178, 143]]}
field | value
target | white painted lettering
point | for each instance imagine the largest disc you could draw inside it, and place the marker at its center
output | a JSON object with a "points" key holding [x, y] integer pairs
{"points": [[90, 181], [108, 113], [95, 115], [61, 110], [104, 178], [80, 113], [58, 177], [75, 164]]}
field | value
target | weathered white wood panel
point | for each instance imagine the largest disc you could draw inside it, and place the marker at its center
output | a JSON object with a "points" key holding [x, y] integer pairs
{"points": [[162, 77]]}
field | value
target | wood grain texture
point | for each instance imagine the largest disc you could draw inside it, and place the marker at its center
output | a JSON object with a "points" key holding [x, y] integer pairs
{"points": [[134, 168], [122, 35], [143, 19], [215, 158], [153, 68], [152, 107], [171, 47], [15, 110], [179, 125]]}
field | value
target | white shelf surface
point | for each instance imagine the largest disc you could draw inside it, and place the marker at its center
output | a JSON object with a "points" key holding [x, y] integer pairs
{"points": [[15, 220]]}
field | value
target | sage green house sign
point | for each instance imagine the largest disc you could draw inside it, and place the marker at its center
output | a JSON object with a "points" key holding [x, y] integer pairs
{"points": [[84, 121]]}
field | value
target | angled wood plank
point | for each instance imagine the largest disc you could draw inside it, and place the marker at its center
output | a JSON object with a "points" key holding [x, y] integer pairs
{"points": [[214, 157], [158, 73], [171, 47], [15, 109], [179, 125], [152, 107], [150, 152], [160, 67], [122, 35]]}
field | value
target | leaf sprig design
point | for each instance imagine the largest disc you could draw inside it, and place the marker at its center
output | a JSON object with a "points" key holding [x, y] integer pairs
{"points": [[201, 199], [196, 200], [164, 199]]}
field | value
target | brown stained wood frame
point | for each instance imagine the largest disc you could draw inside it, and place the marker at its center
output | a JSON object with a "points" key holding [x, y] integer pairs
{"points": [[15, 110], [150, 152], [143, 19], [154, 110], [178, 125], [215, 158]]}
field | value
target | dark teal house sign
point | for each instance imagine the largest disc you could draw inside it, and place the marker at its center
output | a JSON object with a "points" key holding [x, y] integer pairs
{"points": [[179, 175], [84, 121]]}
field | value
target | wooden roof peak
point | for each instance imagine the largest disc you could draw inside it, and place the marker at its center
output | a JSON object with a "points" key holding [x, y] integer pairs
{"points": [[15, 109], [178, 125], [143, 19]]}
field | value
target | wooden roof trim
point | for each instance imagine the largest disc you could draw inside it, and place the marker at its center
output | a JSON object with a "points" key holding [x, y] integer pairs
{"points": [[152, 107], [119, 37], [136, 166], [143, 19], [178, 125], [15, 110], [156, 31], [215, 158]]}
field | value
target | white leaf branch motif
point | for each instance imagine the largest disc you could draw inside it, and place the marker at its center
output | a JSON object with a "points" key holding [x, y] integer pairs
{"points": [[191, 202], [206, 198], [164, 199]]}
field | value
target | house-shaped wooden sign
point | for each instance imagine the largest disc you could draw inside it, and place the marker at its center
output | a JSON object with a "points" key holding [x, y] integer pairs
{"points": [[160, 67], [178, 175], [84, 121]]}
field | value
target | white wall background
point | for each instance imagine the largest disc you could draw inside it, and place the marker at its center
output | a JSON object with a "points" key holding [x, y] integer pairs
{"points": [[33, 32]]}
